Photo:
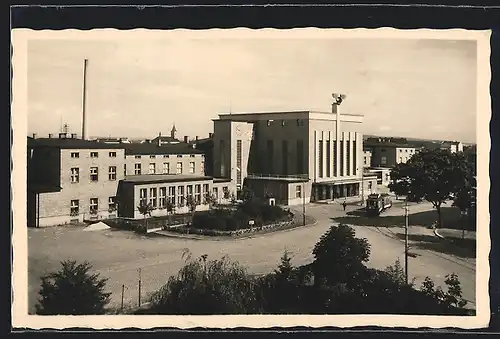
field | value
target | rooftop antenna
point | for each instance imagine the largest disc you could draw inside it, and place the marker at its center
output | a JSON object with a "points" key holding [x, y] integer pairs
{"points": [[230, 107]]}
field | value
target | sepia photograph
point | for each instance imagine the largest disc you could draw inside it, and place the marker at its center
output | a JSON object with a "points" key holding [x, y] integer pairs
{"points": [[295, 175]]}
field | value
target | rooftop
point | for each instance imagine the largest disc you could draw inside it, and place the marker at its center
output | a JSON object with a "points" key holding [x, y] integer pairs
{"points": [[387, 144], [147, 148], [70, 143], [160, 178], [288, 112]]}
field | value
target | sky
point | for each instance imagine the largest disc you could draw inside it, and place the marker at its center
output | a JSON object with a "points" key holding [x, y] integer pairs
{"points": [[139, 88]]}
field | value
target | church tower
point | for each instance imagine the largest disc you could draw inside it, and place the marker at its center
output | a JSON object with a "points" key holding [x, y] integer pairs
{"points": [[173, 131]]}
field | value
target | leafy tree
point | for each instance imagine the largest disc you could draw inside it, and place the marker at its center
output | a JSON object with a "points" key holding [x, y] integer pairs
{"points": [[207, 287], [247, 195], [433, 175], [210, 200], [340, 256], [170, 207], [396, 273], [145, 209], [452, 298], [191, 203], [73, 290]]}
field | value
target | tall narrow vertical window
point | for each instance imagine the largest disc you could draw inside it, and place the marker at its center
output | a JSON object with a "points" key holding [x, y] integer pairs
{"points": [[320, 159], [162, 197], [341, 159], [335, 156], [143, 196], [111, 204], [152, 197], [354, 158], [166, 168], [94, 154], [300, 157], [124, 170], [191, 167], [328, 159], [215, 192], [238, 162], [94, 174], [284, 146], [348, 157], [152, 168], [171, 194], [270, 156], [189, 191], [179, 168], [197, 193], [180, 196], [137, 169], [94, 205], [75, 175], [112, 173], [222, 150]]}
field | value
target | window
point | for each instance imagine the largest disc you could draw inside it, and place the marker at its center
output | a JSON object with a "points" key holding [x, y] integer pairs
{"points": [[298, 191], [364, 159], [94, 174], [284, 149], [180, 196], [328, 159], [179, 168], [222, 150], [400, 159], [143, 196], [383, 160], [348, 157], [320, 159], [269, 122], [197, 193], [166, 168], [137, 156], [205, 188], [225, 191], [189, 190], [163, 197], [112, 154], [191, 155], [342, 158], [191, 167], [152, 168], [354, 158], [382, 150], [335, 167], [111, 204], [75, 208], [215, 192], [165, 155], [75, 175], [137, 169], [94, 154], [152, 196], [406, 150], [298, 122], [179, 155], [75, 155], [112, 173], [94, 205], [238, 162], [124, 170], [171, 194], [369, 185], [152, 156]]}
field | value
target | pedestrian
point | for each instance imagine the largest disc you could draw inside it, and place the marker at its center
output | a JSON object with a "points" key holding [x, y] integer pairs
{"points": [[344, 204]]}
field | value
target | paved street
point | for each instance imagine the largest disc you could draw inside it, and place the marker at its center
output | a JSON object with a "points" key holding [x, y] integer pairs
{"points": [[119, 255]]}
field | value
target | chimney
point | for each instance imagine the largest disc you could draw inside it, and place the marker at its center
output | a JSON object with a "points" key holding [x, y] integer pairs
{"points": [[186, 139], [159, 134], [50, 135], [196, 138], [210, 135], [34, 135], [84, 101]]}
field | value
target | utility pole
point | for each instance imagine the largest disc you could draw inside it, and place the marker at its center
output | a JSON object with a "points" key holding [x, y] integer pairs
{"points": [[362, 187], [406, 240], [139, 287]]}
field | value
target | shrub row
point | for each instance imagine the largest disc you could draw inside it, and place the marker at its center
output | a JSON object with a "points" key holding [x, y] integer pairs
{"points": [[214, 232]]}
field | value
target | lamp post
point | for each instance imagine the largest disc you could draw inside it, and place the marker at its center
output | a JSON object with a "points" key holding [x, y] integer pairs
{"points": [[304, 203], [406, 239]]}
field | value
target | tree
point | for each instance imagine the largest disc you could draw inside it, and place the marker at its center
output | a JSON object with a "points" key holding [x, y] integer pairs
{"points": [[170, 207], [433, 175], [210, 200], [191, 203], [340, 256], [145, 209], [72, 291], [207, 287]]}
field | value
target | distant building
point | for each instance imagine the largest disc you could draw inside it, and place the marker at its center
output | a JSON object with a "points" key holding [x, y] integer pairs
{"points": [[388, 154], [166, 140], [367, 158], [452, 146]]}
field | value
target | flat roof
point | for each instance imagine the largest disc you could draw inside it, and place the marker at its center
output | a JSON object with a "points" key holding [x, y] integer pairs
{"points": [[271, 178], [159, 178], [387, 144], [71, 143], [287, 112], [148, 148]]}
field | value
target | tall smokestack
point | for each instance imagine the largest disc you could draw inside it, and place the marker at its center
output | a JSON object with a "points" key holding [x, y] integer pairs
{"points": [[84, 101]]}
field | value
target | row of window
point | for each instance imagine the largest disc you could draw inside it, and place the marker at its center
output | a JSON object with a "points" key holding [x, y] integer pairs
{"points": [[93, 206], [157, 197], [76, 155], [153, 156], [94, 174], [332, 146], [165, 169], [298, 122]]}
